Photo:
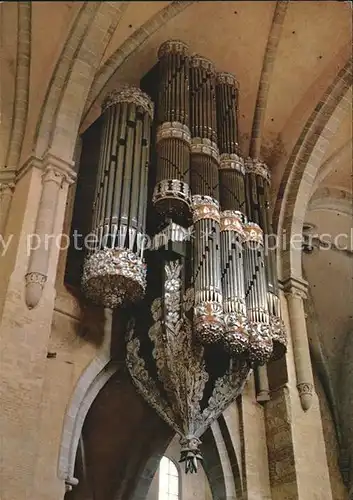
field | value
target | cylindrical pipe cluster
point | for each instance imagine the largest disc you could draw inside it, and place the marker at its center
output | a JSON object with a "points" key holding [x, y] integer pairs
{"points": [[114, 272], [208, 308], [232, 198], [227, 90], [172, 196], [232, 182], [236, 334], [203, 121], [260, 346], [173, 95], [258, 209], [204, 161]]}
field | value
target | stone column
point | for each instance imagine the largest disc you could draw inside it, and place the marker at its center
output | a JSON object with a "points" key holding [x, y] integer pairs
{"points": [[6, 192], [56, 172], [35, 387], [295, 290], [263, 389]]}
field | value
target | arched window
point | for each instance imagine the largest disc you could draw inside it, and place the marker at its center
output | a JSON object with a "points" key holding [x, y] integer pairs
{"points": [[168, 480]]}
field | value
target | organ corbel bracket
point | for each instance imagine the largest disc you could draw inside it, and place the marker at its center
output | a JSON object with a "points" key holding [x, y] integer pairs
{"points": [[296, 291], [56, 172]]}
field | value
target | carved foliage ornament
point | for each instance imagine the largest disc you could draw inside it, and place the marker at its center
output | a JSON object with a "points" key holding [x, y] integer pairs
{"points": [[183, 393]]}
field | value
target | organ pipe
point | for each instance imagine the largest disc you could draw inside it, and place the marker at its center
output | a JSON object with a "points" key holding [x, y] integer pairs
{"points": [[258, 209], [232, 197], [260, 345], [236, 335], [172, 196], [203, 188], [208, 308], [204, 161], [114, 271]]}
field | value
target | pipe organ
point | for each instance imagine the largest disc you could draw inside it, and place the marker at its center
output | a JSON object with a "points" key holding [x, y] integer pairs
{"points": [[211, 284], [114, 272], [258, 209], [172, 195]]}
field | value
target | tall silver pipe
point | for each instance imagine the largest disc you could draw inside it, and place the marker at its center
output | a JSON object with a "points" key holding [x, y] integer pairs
{"points": [[115, 272]]}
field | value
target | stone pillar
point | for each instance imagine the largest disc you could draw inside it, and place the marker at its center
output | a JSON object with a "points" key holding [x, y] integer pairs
{"points": [[56, 173], [295, 440], [263, 389], [255, 456], [34, 387], [295, 290], [7, 186]]}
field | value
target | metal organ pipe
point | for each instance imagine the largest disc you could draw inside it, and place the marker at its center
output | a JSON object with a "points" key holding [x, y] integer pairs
{"points": [[204, 161], [114, 271], [260, 344], [236, 335], [232, 197], [171, 196], [258, 209], [201, 180]]}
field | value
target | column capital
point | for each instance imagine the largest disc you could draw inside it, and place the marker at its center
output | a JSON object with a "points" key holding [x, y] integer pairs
{"points": [[7, 179], [6, 186], [31, 162], [64, 168], [305, 391], [295, 286], [56, 166]]}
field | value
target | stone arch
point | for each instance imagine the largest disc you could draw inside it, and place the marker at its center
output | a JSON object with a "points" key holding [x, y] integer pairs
{"points": [[78, 65], [76, 36], [218, 466], [304, 163], [96, 375], [67, 117], [332, 198], [20, 105], [213, 465], [147, 475], [128, 47], [342, 154]]}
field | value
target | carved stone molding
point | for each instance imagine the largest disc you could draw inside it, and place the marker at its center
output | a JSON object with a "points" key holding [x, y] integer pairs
{"points": [[305, 391], [296, 287], [70, 482], [59, 166], [6, 188], [36, 278], [31, 162], [7, 176]]}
